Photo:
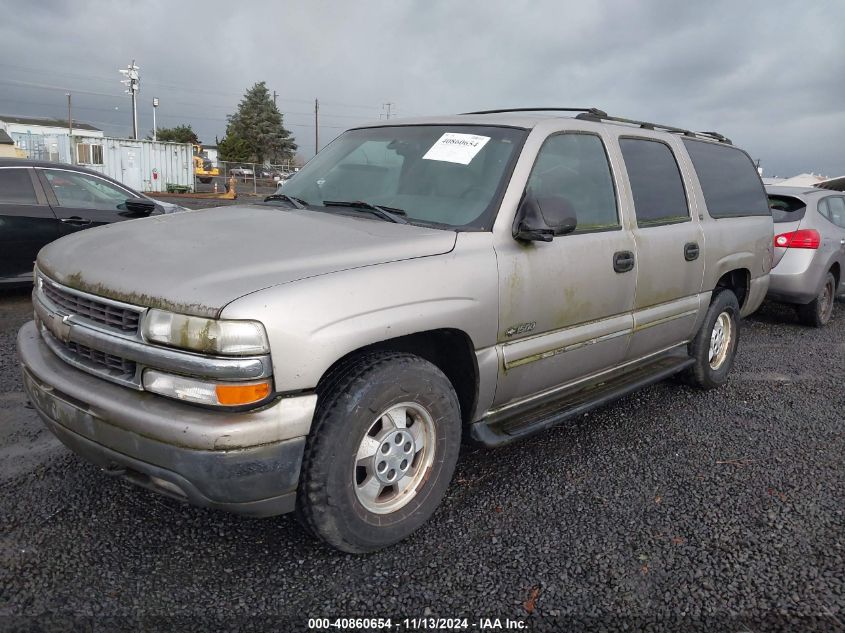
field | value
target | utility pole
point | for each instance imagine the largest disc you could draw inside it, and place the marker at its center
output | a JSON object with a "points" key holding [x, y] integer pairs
{"points": [[132, 82], [386, 107], [274, 97], [155, 129], [316, 126], [69, 118], [70, 131]]}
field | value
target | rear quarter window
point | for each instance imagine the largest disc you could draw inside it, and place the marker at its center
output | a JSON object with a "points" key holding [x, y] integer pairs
{"points": [[786, 208], [729, 180], [16, 186]]}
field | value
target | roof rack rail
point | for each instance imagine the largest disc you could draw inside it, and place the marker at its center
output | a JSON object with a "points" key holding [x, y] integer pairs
{"points": [[593, 111], [594, 114], [601, 116]]}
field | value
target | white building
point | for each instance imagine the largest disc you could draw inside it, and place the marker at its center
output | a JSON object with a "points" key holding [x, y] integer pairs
{"points": [[45, 138], [140, 164]]}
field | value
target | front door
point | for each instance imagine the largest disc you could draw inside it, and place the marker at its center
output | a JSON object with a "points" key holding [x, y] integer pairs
{"points": [[83, 200], [670, 248], [565, 305]]}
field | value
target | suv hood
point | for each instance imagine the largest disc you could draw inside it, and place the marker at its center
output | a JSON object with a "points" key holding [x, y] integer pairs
{"points": [[197, 262]]}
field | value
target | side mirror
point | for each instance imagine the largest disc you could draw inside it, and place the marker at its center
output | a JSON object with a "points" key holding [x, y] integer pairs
{"points": [[140, 206], [541, 219]]}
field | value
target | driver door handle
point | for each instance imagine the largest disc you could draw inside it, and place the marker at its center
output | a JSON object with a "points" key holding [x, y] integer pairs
{"points": [[623, 261], [75, 220]]}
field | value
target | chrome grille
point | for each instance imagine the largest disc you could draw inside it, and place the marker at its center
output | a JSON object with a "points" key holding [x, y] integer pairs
{"points": [[107, 314], [101, 359], [108, 366]]}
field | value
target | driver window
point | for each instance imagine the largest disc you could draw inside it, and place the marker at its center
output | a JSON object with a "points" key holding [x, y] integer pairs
{"points": [[73, 189], [575, 167]]}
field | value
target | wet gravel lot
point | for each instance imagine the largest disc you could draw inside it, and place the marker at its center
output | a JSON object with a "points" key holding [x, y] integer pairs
{"points": [[672, 509]]}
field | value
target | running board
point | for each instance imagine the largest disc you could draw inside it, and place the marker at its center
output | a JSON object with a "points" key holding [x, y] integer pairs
{"points": [[502, 427]]}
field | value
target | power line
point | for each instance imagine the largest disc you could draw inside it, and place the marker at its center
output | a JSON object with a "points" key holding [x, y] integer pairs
{"points": [[164, 84], [184, 103]]}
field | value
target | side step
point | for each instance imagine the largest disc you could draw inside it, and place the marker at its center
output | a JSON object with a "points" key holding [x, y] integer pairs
{"points": [[500, 428]]}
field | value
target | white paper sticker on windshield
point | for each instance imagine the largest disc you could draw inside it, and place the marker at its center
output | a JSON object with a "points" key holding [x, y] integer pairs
{"points": [[456, 148]]}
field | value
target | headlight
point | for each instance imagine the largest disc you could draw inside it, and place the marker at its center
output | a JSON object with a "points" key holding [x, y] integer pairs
{"points": [[210, 336], [212, 393]]}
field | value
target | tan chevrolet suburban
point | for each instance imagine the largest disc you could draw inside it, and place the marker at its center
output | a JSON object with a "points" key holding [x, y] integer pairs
{"points": [[480, 276]]}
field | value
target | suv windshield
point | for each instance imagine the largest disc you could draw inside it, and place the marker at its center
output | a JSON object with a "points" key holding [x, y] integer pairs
{"points": [[446, 175]]}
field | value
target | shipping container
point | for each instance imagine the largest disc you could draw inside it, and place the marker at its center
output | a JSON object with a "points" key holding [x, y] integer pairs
{"points": [[142, 165]]}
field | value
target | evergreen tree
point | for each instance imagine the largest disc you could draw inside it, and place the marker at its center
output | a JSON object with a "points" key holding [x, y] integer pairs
{"points": [[234, 149], [258, 123], [179, 134]]}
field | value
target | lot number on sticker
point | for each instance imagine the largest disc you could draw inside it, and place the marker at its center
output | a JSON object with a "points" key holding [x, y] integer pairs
{"points": [[456, 148]]}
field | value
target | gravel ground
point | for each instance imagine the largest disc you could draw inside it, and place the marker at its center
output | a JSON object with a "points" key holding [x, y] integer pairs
{"points": [[672, 509]]}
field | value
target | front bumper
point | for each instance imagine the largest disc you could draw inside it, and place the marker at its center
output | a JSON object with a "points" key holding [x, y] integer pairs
{"points": [[244, 462]]}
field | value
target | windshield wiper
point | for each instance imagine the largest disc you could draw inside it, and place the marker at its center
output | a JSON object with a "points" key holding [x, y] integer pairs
{"points": [[391, 214], [298, 203]]}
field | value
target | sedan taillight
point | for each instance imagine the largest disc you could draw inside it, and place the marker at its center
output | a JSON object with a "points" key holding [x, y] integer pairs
{"points": [[804, 238]]}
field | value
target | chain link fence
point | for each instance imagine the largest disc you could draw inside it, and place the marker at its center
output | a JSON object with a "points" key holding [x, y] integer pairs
{"points": [[254, 178]]}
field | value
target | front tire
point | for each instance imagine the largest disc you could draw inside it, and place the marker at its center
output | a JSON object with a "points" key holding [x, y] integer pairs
{"points": [[819, 311], [381, 452], [714, 347]]}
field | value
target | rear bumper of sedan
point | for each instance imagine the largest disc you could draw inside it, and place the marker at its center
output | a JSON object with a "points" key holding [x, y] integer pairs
{"points": [[798, 277]]}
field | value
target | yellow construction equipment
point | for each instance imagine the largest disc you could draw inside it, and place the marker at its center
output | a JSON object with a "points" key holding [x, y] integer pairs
{"points": [[203, 168]]}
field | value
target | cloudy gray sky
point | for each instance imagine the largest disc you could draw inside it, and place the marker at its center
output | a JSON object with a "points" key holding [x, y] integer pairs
{"points": [[767, 74]]}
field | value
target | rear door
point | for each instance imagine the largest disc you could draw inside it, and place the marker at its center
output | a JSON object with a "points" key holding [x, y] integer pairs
{"points": [[833, 209], [669, 246], [83, 200], [26, 222]]}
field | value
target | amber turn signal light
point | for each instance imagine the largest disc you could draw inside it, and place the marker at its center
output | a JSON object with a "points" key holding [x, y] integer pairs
{"points": [[232, 395]]}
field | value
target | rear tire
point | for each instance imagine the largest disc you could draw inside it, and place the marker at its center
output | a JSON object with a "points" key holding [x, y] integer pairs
{"points": [[819, 311], [714, 347], [381, 452]]}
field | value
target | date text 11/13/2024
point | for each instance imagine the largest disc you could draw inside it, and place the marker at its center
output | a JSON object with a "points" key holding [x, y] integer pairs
{"points": [[416, 624]]}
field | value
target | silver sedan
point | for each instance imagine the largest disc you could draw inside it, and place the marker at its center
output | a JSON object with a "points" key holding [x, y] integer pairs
{"points": [[809, 250]]}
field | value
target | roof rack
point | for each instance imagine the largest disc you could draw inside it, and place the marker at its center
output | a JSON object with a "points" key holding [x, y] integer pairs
{"points": [[594, 114], [593, 111], [601, 116]]}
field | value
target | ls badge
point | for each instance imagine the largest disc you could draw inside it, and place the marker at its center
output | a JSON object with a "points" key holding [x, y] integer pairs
{"points": [[521, 328]]}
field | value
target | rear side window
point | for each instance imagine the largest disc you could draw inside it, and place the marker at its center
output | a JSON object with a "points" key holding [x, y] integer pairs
{"points": [[786, 208], [659, 196], [16, 187], [834, 210], [729, 180]]}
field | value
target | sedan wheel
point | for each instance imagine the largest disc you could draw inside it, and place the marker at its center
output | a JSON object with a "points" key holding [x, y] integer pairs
{"points": [[819, 311]]}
